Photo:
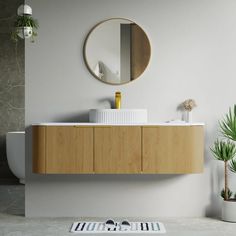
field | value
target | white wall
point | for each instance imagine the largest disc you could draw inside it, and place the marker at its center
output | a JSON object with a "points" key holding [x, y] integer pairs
{"points": [[193, 56]]}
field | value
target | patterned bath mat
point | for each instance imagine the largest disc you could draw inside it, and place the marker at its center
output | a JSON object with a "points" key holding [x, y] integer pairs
{"points": [[85, 227]]}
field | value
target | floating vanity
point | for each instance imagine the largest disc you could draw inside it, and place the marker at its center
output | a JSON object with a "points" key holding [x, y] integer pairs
{"points": [[86, 148]]}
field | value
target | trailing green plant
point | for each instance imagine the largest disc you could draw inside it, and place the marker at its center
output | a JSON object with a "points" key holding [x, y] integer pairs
{"points": [[224, 151], [228, 124], [25, 21]]}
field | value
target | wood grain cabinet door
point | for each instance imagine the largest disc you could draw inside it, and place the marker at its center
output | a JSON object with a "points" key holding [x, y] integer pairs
{"points": [[173, 149], [117, 149], [69, 150]]}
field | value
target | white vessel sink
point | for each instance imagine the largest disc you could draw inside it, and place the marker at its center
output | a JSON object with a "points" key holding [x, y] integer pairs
{"points": [[118, 116]]}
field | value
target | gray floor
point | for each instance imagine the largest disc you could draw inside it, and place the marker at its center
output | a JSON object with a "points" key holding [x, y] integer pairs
{"points": [[13, 222]]}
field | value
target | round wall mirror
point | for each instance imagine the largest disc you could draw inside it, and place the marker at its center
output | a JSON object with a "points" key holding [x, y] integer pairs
{"points": [[117, 51]]}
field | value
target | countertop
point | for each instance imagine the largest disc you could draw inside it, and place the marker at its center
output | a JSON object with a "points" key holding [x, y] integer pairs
{"points": [[107, 124]]}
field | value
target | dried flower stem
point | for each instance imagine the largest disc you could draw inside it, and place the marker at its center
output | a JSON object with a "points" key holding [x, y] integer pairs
{"points": [[189, 104]]}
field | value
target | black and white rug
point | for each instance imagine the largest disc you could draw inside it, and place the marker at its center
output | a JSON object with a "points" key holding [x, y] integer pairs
{"points": [[100, 227]]}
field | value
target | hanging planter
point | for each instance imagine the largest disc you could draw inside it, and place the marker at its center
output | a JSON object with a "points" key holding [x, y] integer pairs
{"points": [[25, 25]]}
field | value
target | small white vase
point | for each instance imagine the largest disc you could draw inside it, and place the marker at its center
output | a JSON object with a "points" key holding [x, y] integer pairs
{"points": [[229, 211], [24, 32], [189, 116]]}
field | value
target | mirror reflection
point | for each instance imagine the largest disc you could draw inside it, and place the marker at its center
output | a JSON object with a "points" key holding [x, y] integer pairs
{"points": [[117, 51]]}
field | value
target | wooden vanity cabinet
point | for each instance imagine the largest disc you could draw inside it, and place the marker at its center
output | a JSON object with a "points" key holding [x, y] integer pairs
{"points": [[117, 149], [64, 149], [173, 149]]}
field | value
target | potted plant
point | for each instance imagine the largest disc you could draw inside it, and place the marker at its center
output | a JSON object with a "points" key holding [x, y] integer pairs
{"points": [[25, 27], [225, 150]]}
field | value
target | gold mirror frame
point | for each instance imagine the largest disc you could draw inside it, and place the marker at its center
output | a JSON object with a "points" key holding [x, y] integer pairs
{"points": [[86, 42]]}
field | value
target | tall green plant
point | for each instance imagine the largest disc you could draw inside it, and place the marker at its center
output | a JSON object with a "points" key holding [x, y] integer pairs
{"points": [[224, 151]]}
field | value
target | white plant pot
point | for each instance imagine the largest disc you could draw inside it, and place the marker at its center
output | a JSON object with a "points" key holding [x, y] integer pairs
{"points": [[24, 32], [229, 211]]}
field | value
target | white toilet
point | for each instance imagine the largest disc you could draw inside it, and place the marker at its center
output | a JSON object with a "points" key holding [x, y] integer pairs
{"points": [[16, 154]]}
